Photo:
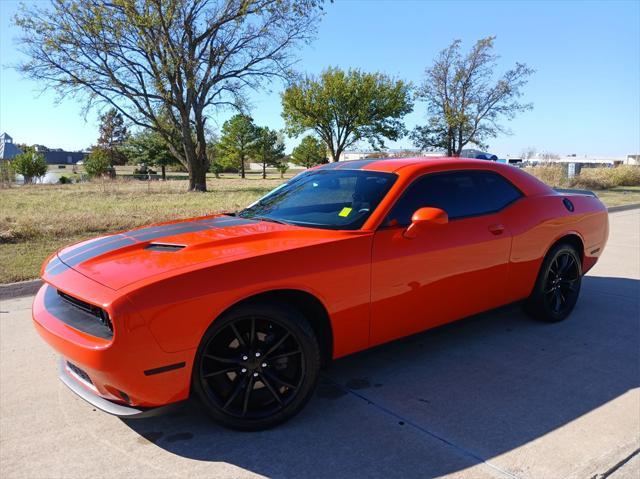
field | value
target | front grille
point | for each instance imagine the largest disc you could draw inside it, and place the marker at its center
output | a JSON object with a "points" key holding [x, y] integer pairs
{"points": [[99, 313], [79, 372], [78, 314]]}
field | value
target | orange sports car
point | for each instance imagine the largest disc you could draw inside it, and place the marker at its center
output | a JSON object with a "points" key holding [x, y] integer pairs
{"points": [[243, 309]]}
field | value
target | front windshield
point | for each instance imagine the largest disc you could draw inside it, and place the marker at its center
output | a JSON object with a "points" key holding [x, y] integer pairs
{"points": [[330, 199]]}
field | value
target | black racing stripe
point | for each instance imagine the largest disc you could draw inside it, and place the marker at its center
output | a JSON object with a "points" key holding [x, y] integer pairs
{"points": [[356, 164], [164, 369], [163, 233], [57, 269], [55, 262], [81, 249], [226, 222], [151, 233], [157, 229], [77, 259]]}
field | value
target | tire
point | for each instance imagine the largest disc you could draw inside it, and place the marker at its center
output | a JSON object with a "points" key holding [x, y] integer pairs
{"points": [[557, 286], [257, 366]]}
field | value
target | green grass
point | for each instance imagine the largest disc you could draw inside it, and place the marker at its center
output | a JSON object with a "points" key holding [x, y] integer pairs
{"points": [[37, 220], [620, 195]]}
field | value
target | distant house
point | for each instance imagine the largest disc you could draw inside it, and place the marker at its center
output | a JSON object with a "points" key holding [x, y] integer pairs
{"points": [[7, 148], [58, 156], [53, 156]]}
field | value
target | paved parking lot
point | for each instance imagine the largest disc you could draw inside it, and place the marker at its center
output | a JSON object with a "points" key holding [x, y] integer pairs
{"points": [[497, 395]]}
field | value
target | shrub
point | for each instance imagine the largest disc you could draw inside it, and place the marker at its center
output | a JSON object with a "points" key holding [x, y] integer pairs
{"points": [[282, 167], [30, 164], [97, 163], [553, 175], [600, 178], [64, 180], [6, 174], [626, 175]]}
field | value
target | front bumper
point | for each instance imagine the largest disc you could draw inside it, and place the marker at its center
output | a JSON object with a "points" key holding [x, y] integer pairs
{"points": [[129, 374], [130, 412]]}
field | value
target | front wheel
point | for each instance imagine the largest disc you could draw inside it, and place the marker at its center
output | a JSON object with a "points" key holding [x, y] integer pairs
{"points": [[558, 285], [257, 366]]}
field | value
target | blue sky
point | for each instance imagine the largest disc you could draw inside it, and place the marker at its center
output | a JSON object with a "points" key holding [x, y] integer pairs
{"points": [[586, 89]]}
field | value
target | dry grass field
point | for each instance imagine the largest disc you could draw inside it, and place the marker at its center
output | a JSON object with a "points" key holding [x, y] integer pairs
{"points": [[37, 220]]}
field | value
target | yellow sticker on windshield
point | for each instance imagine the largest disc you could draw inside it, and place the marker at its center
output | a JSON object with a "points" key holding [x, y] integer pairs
{"points": [[344, 212]]}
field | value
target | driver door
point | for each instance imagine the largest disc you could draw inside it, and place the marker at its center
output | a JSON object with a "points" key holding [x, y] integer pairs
{"points": [[447, 271]]}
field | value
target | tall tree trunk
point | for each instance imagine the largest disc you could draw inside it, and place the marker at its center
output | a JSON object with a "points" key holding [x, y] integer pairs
{"points": [[450, 142], [197, 176], [242, 167], [164, 172], [264, 170], [195, 157], [335, 155], [460, 145]]}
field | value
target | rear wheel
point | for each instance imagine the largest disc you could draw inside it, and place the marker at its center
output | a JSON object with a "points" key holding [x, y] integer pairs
{"points": [[558, 285], [257, 366]]}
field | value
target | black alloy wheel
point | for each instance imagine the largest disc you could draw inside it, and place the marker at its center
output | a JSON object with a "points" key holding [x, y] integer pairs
{"points": [[257, 366], [562, 286], [557, 287]]}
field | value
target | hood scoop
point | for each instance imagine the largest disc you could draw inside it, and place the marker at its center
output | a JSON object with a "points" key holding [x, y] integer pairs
{"points": [[167, 248]]}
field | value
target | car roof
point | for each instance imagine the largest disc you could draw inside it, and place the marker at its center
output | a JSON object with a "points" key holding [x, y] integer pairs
{"points": [[395, 164], [408, 167]]}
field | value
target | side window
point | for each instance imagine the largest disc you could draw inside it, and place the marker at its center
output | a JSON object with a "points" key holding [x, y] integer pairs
{"points": [[460, 194]]}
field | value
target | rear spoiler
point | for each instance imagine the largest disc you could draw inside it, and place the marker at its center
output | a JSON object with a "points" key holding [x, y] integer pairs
{"points": [[575, 192]]}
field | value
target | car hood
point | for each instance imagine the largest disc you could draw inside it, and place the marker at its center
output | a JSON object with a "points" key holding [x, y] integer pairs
{"points": [[119, 260]]}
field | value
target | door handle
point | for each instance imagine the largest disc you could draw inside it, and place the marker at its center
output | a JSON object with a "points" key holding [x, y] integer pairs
{"points": [[496, 229]]}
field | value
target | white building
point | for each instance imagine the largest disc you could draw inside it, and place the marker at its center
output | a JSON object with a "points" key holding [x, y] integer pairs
{"points": [[583, 160], [353, 155]]}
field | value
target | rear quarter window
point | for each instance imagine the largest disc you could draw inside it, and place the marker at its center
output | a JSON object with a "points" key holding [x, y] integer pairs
{"points": [[500, 191]]}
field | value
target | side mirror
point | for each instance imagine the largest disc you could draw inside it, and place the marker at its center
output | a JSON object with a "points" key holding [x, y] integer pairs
{"points": [[424, 217]]}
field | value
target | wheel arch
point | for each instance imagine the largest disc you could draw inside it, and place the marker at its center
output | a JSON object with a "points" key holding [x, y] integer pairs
{"points": [[572, 238], [309, 305]]}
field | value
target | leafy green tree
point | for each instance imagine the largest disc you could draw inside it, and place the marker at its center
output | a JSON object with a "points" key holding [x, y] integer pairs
{"points": [[30, 164], [464, 102], [188, 57], [149, 148], [237, 142], [310, 152], [268, 148], [97, 163], [343, 108], [113, 136]]}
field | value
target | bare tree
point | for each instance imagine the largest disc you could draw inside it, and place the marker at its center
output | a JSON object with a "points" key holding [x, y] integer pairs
{"points": [[549, 155], [528, 153], [464, 104], [177, 57]]}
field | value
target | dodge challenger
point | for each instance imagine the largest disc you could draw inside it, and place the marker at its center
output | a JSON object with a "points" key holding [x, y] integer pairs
{"points": [[242, 310]]}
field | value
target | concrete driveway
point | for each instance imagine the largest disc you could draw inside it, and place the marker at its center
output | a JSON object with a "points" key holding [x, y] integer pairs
{"points": [[497, 395]]}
